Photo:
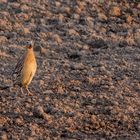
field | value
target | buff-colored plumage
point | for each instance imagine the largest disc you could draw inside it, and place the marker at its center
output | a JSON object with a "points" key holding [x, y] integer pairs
{"points": [[25, 69]]}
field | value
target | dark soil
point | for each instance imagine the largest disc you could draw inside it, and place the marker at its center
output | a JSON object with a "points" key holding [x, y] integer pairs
{"points": [[87, 85]]}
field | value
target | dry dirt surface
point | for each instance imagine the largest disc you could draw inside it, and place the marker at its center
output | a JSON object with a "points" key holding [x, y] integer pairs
{"points": [[87, 86]]}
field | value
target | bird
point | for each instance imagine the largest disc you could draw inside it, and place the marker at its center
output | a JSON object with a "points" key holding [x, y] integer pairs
{"points": [[25, 69]]}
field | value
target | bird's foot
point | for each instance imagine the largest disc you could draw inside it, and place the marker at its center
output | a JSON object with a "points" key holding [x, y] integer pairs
{"points": [[30, 94]]}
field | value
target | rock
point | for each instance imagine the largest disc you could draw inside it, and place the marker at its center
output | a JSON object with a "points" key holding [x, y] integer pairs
{"points": [[77, 10], [3, 1], [19, 121], [30, 138], [23, 16], [81, 5], [115, 11], [73, 32], [41, 82], [93, 118], [129, 19], [58, 4], [15, 5], [26, 30], [138, 6], [102, 17], [61, 18], [48, 118], [38, 111], [2, 39], [3, 120], [5, 24], [137, 37], [76, 16], [47, 98], [43, 51], [3, 136], [48, 92], [86, 47], [78, 66], [60, 90], [43, 35], [25, 8], [57, 38], [65, 10]]}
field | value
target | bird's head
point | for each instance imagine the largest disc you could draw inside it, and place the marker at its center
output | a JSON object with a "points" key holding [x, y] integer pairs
{"points": [[29, 45]]}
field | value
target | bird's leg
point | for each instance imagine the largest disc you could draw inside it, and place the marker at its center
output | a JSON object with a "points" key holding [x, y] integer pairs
{"points": [[29, 93], [21, 89]]}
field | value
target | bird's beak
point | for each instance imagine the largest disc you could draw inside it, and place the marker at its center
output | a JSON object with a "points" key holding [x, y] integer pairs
{"points": [[30, 44]]}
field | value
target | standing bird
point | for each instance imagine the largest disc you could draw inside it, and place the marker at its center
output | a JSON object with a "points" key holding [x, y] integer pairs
{"points": [[25, 68]]}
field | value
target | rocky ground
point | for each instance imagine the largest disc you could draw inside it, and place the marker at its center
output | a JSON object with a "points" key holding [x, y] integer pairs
{"points": [[87, 85]]}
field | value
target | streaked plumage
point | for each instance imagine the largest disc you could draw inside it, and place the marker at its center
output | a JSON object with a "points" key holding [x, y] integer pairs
{"points": [[25, 69]]}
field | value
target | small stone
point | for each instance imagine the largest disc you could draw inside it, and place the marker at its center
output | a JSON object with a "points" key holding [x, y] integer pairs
{"points": [[25, 7], [57, 38], [5, 24], [93, 118], [19, 121], [137, 37], [77, 10], [129, 19], [102, 124], [3, 136], [38, 111], [4, 13], [47, 98], [3, 1], [76, 16], [30, 138], [61, 17], [72, 32], [43, 35], [67, 10], [130, 109], [81, 5], [89, 21], [3, 120], [3, 39], [48, 92], [115, 11], [43, 51], [78, 66], [23, 16], [86, 47], [102, 16], [26, 31], [60, 90], [41, 82], [93, 101], [58, 4], [138, 6], [14, 5], [48, 118]]}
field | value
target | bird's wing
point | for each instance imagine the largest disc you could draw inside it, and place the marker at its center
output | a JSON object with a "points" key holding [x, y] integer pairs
{"points": [[19, 65]]}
